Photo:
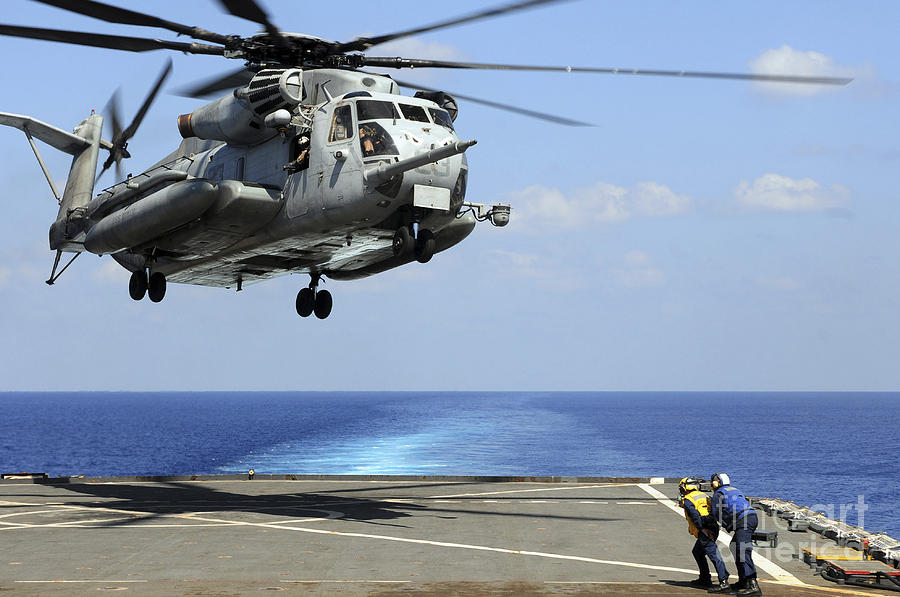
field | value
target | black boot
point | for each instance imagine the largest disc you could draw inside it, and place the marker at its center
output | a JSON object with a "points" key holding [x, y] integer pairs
{"points": [[720, 587], [739, 585], [702, 582], [752, 588]]}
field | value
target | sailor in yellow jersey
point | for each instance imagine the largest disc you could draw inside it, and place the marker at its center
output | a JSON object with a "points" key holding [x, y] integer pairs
{"points": [[703, 526]]}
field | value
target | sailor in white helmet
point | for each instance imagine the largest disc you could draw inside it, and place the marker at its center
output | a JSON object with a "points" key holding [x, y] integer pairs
{"points": [[734, 512]]}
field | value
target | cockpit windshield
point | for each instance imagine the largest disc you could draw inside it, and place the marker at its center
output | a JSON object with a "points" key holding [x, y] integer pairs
{"points": [[441, 118], [374, 110], [415, 113]]}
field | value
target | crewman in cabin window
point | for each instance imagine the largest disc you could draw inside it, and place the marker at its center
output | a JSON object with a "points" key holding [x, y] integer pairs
{"points": [[301, 153], [703, 526], [734, 512]]}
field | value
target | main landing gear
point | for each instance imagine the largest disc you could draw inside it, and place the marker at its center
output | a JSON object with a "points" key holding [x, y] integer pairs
{"points": [[153, 286], [422, 246], [312, 300]]}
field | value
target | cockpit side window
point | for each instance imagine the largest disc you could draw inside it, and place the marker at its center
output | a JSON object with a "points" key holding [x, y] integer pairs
{"points": [[341, 124], [374, 140], [373, 110], [441, 118], [416, 113]]}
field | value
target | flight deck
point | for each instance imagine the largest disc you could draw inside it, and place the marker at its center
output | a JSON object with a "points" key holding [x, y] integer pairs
{"points": [[321, 535]]}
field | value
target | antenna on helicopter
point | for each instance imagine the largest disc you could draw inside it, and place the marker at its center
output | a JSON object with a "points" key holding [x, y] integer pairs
{"points": [[324, 88]]}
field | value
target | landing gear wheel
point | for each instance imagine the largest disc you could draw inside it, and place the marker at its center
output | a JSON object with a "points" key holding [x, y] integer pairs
{"points": [[403, 241], [425, 245], [306, 300], [137, 285], [156, 289], [323, 304]]}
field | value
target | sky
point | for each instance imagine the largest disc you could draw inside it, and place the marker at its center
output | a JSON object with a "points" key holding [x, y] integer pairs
{"points": [[704, 235]]}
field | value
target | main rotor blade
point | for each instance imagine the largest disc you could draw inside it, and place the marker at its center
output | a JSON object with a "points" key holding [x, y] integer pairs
{"points": [[531, 113], [251, 11], [114, 14], [113, 42], [416, 63], [363, 43], [238, 78]]}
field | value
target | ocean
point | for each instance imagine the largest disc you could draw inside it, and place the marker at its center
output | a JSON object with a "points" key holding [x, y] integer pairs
{"points": [[833, 451]]}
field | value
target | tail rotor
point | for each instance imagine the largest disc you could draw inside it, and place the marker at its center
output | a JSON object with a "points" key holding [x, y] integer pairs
{"points": [[119, 142]]}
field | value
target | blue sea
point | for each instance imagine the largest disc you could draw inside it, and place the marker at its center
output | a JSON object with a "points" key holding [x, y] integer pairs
{"points": [[834, 451]]}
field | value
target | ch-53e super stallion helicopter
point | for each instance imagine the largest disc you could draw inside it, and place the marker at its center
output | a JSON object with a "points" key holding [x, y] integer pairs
{"points": [[310, 165]]}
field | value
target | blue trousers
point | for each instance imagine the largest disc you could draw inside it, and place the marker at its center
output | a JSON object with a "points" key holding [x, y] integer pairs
{"points": [[742, 546], [704, 548]]}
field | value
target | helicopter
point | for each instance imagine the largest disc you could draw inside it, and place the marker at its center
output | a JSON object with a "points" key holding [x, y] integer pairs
{"points": [[311, 163]]}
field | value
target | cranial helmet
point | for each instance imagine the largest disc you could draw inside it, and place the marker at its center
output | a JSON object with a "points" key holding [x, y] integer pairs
{"points": [[720, 480], [687, 485]]}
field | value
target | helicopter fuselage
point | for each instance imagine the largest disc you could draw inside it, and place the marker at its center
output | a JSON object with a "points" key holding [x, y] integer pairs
{"points": [[305, 200]]}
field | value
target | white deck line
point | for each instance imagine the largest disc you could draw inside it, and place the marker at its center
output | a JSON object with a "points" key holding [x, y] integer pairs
{"points": [[570, 488], [518, 552], [101, 581], [771, 568]]}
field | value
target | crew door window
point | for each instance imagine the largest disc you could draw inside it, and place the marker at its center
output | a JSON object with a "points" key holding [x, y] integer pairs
{"points": [[341, 124]]}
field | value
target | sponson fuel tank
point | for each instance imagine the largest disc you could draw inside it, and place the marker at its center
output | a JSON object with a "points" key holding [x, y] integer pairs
{"points": [[151, 216]]}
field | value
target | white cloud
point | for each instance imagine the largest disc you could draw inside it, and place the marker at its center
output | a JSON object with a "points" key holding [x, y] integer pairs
{"points": [[788, 61], [519, 260], [25, 265], [416, 47], [539, 207], [111, 272], [653, 199], [780, 193], [639, 271], [537, 269]]}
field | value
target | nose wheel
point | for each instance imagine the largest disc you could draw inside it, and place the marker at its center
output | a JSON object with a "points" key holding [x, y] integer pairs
{"points": [[312, 300], [425, 245], [422, 245]]}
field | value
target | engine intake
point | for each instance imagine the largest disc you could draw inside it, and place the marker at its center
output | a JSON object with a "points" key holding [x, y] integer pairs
{"points": [[240, 117]]}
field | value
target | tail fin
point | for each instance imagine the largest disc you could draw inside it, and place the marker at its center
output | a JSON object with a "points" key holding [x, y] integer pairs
{"points": [[67, 232], [84, 145]]}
